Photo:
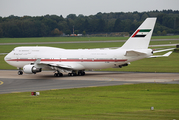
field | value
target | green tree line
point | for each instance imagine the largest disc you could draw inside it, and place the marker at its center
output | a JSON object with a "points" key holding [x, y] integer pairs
{"points": [[53, 25]]}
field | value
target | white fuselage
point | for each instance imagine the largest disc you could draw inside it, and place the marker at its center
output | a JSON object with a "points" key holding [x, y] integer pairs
{"points": [[80, 59]]}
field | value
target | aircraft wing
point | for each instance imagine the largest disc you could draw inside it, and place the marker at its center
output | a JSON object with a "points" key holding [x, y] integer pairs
{"points": [[59, 65], [65, 66]]}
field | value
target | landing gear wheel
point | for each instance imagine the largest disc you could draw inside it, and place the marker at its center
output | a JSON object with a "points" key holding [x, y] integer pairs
{"points": [[83, 73], [72, 74], [58, 74], [79, 73], [20, 73], [61, 74]]}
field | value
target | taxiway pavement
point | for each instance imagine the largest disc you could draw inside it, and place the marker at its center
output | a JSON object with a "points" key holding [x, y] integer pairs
{"points": [[10, 82]]}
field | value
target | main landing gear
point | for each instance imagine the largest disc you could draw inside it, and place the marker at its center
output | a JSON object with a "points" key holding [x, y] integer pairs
{"points": [[58, 74], [73, 73], [76, 73]]}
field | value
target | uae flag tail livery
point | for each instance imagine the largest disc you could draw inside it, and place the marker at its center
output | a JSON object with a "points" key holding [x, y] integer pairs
{"points": [[141, 33], [140, 39]]}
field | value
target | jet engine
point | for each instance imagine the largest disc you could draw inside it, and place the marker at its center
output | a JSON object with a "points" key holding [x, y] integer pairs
{"points": [[31, 69], [126, 64]]}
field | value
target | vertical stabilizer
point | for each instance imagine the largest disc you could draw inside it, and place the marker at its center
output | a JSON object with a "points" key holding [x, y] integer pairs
{"points": [[141, 37]]}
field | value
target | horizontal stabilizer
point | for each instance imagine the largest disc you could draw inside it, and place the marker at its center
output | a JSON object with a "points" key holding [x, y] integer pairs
{"points": [[165, 55], [163, 50]]}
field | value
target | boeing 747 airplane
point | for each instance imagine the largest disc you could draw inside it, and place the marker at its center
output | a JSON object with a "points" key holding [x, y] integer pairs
{"points": [[32, 60]]}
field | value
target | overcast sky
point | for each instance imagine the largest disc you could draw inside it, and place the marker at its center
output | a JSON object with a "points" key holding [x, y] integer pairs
{"points": [[85, 7]]}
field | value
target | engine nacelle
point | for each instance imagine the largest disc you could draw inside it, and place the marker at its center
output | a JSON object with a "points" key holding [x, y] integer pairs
{"points": [[31, 69], [126, 64]]}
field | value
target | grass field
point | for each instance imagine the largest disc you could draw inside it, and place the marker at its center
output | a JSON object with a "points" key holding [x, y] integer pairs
{"points": [[8, 48], [58, 39], [125, 102], [67, 39]]}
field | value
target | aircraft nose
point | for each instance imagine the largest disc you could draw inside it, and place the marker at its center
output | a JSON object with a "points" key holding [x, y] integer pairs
{"points": [[6, 58]]}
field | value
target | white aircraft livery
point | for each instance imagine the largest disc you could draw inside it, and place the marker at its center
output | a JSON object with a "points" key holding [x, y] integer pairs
{"points": [[32, 60]]}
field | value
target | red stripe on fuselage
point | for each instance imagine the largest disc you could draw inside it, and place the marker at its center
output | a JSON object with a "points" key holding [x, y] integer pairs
{"points": [[69, 60]]}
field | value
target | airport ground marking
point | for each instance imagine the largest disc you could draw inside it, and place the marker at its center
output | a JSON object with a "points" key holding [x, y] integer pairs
{"points": [[1, 82]]}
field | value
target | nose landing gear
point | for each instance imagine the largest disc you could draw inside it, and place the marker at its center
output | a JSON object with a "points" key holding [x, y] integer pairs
{"points": [[20, 72]]}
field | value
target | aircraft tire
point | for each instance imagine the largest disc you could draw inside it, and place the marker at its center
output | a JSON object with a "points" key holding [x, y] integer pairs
{"points": [[83, 73], [55, 75], [60, 74], [74, 74], [20, 72], [79, 73]]}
